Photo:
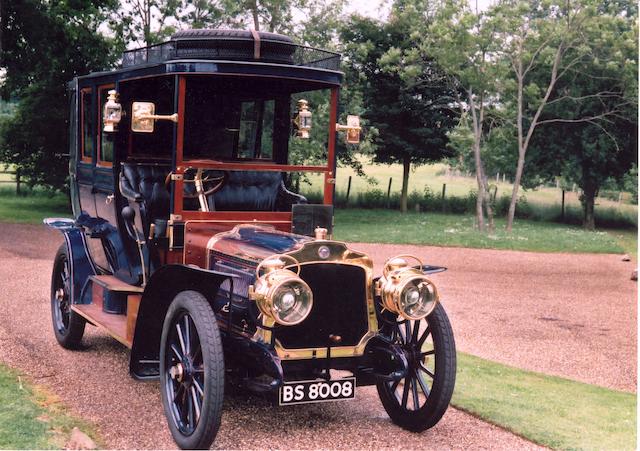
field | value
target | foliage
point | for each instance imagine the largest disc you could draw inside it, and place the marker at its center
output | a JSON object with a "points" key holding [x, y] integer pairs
{"points": [[591, 126], [463, 43], [45, 44], [411, 117], [547, 47], [551, 411], [438, 229], [630, 182]]}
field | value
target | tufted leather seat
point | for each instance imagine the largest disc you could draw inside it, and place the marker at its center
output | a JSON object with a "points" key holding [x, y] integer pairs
{"points": [[145, 185], [255, 191]]}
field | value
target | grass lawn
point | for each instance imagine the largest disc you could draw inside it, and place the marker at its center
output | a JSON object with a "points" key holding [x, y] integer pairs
{"points": [[385, 226], [552, 411], [30, 418], [31, 208]]}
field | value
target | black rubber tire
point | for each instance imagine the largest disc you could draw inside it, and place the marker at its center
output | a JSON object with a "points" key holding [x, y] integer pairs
{"points": [[228, 34], [195, 307], [68, 326], [443, 381]]}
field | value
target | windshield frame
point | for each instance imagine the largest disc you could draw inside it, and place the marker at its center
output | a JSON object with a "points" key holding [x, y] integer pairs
{"points": [[181, 165]]}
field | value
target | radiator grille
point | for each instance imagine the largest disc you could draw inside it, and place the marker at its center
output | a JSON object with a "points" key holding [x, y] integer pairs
{"points": [[339, 307]]}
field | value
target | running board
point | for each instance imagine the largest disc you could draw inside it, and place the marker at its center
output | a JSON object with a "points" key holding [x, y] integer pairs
{"points": [[112, 305]]}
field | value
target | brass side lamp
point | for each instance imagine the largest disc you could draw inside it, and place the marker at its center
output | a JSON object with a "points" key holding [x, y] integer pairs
{"points": [[302, 120], [112, 113], [352, 128], [144, 117]]}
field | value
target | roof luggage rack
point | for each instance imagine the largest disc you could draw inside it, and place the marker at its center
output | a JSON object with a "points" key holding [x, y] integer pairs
{"points": [[233, 45]]}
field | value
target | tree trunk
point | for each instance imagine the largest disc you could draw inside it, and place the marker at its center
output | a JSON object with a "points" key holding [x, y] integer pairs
{"points": [[514, 193], [406, 165], [587, 199], [479, 179]]}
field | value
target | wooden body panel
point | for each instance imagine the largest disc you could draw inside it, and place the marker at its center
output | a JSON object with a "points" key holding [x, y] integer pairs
{"points": [[114, 325]]}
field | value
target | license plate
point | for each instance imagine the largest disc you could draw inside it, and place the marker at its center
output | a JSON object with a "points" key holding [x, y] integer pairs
{"points": [[304, 392]]}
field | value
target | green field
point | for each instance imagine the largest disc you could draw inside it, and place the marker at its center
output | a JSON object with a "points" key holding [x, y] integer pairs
{"points": [[31, 208], [435, 175], [31, 418], [552, 411], [385, 226]]}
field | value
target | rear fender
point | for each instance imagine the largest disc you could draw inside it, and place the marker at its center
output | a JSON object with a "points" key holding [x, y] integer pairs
{"points": [[163, 286], [81, 265]]}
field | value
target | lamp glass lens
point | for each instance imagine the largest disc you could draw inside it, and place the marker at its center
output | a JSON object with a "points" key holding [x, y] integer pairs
{"points": [[417, 299], [292, 302]]}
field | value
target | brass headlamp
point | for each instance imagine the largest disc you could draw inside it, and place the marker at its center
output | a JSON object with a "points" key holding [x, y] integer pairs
{"points": [[280, 293], [405, 290]]}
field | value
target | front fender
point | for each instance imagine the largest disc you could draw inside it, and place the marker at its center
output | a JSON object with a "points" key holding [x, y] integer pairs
{"points": [[81, 265], [163, 286]]}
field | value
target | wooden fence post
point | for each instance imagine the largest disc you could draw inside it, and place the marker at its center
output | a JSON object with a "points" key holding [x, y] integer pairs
{"points": [[562, 213], [495, 192], [389, 193], [444, 191], [348, 191], [18, 181]]}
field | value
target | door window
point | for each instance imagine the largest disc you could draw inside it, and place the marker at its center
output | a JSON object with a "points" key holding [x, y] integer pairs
{"points": [[105, 140], [88, 124]]}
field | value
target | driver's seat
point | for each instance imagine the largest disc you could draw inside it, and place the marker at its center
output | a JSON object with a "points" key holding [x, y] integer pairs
{"points": [[254, 191], [144, 184]]}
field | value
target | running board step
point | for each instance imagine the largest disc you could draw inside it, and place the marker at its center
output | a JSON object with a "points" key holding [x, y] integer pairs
{"points": [[114, 325]]}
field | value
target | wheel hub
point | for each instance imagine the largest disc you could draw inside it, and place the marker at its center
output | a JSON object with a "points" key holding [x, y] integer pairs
{"points": [[177, 372]]}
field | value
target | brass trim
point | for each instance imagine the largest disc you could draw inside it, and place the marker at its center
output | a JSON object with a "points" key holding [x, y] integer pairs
{"points": [[340, 254]]}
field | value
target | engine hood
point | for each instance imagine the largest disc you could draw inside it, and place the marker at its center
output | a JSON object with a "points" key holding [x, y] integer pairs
{"points": [[253, 243]]}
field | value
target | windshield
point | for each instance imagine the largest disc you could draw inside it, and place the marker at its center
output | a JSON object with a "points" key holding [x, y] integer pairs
{"points": [[231, 119]]}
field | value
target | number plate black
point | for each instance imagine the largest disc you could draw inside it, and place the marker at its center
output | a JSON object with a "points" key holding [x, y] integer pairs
{"points": [[304, 392]]}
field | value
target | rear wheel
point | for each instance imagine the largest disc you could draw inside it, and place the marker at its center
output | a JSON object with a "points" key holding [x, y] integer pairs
{"points": [[192, 371], [418, 401], [68, 326]]}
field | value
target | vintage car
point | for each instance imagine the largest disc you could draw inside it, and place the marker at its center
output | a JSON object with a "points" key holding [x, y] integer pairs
{"points": [[189, 247]]}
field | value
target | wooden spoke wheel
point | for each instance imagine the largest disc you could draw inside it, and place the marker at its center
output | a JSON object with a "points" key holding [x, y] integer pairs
{"points": [[192, 371], [418, 401]]}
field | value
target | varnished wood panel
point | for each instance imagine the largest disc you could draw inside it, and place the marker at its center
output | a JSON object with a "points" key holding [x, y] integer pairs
{"points": [[133, 304], [114, 325]]}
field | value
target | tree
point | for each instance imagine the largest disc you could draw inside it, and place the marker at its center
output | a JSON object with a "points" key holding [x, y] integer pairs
{"points": [[44, 45], [591, 125], [463, 43], [412, 114], [542, 43]]}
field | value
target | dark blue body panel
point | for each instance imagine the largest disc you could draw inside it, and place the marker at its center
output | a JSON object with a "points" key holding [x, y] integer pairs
{"points": [[81, 264]]}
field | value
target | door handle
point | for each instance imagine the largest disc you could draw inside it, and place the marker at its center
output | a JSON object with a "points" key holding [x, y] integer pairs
{"points": [[109, 199]]}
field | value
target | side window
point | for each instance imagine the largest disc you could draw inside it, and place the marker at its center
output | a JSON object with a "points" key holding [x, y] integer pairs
{"points": [[256, 129], [88, 124], [105, 141]]}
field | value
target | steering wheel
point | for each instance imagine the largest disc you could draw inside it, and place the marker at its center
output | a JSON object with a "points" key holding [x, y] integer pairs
{"points": [[205, 182]]}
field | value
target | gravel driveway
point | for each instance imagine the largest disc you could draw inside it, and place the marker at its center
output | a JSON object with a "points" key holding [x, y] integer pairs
{"points": [[557, 302]]}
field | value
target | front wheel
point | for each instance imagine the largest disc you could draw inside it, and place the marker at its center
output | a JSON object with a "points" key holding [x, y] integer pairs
{"points": [[191, 371], [418, 401]]}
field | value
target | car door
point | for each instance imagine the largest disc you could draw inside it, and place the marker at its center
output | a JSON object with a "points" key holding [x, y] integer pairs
{"points": [[104, 179]]}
